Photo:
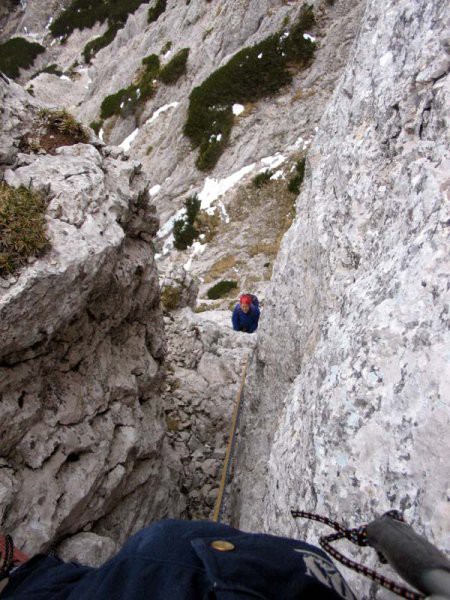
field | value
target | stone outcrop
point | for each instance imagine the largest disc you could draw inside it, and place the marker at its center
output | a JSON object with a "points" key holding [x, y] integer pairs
{"points": [[82, 346], [346, 402]]}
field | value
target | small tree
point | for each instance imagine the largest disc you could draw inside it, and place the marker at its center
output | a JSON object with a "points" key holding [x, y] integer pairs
{"points": [[184, 231]]}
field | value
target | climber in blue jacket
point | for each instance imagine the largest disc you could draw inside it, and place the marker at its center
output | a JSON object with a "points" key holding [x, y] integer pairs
{"points": [[246, 314], [182, 560]]}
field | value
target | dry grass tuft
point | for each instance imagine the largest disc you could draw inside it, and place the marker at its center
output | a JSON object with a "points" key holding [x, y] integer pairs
{"points": [[22, 227]]}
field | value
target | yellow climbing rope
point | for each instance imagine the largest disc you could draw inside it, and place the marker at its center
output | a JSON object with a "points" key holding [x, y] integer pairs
{"points": [[230, 446]]}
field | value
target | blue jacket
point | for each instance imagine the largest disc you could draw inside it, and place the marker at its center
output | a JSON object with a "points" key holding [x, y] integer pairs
{"points": [[182, 560], [245, 322]]}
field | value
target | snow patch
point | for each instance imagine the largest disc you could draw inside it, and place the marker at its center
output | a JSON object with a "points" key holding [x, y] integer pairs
{"points": [[65, 78], [168, 225], [100, 134], [306, 36], [154, 190], [386, 59], [223, 210], [278, 175], [238, 109], [156, 114], [214, 188], [260, 55], [125, 145], [197, 248], [272, 162]]}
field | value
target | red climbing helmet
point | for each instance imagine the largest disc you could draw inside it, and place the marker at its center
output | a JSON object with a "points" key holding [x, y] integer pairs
{"points": [[245, 299]]}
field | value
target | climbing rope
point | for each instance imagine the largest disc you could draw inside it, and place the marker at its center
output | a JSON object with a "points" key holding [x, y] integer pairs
{"points": [[6, 556], [357, 536], [218, 508]]}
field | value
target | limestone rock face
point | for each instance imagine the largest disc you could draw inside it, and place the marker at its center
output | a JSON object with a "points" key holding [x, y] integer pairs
{"points": [[346, 404], [81, 352], [205, 361]]}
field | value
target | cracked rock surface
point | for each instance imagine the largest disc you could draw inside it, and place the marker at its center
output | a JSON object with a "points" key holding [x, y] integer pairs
{"points": [[347, 398], [82, 344]]}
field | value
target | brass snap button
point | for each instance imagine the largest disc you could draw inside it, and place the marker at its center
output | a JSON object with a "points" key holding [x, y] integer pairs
{"points": [[222, 545]]}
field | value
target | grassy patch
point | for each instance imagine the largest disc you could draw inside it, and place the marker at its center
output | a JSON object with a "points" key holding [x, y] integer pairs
{"points": [[221, 289], [220, 267], [127, 99], [154, 12], [51, 69], [253, 73], [53, 129], [18, 53], [175, 68], [170, 298], [262, 178], [207, 224], [296, 181], [184, 231], [22, 227]]}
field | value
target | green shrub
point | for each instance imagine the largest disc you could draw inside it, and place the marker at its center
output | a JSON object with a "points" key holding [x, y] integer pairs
{"points": [[92, 47], [22, 226], [125, 100], [296, 181], [156, 11], [52, 69], [82, 14], [167, 46], [262, 178], [251, 74], [184, 231], [175, 68], [18, 53], [221, 289], [96, 126], [170, 298]]}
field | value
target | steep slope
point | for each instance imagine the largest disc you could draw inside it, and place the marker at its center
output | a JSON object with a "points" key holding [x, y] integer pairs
{"points": [[347, 400], [213, 32]]}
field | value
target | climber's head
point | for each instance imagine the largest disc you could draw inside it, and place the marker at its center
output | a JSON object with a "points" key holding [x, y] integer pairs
{"points": [[245, 300]]}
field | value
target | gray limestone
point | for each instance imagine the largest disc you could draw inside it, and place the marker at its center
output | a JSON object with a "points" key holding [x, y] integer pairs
{"points": [[347, 399]]}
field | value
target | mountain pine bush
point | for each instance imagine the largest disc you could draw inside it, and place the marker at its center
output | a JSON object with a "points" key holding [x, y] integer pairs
{"points": [[253, 73], [18, 53]]}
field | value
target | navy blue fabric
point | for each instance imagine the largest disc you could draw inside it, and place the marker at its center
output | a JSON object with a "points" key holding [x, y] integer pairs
{"points": [[174, 560], [247, 322]]}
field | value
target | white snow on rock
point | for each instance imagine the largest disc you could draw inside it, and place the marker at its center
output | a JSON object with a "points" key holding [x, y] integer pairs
{"points": [[100, 134], [237, 109], [214, 188], [156, 114], [168, 225], [197, 248], [223, 210], [306, 36], [278, 175], [125, 145], [154, 190], [386, 59], [272, 162]]}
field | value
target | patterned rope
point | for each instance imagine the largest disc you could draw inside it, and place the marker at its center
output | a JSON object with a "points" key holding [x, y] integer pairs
{"points": [[7, 557], [357, 536]]}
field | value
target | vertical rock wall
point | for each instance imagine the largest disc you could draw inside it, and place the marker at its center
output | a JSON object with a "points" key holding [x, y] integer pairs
{"points": [[347, 402], [82, 345]]}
